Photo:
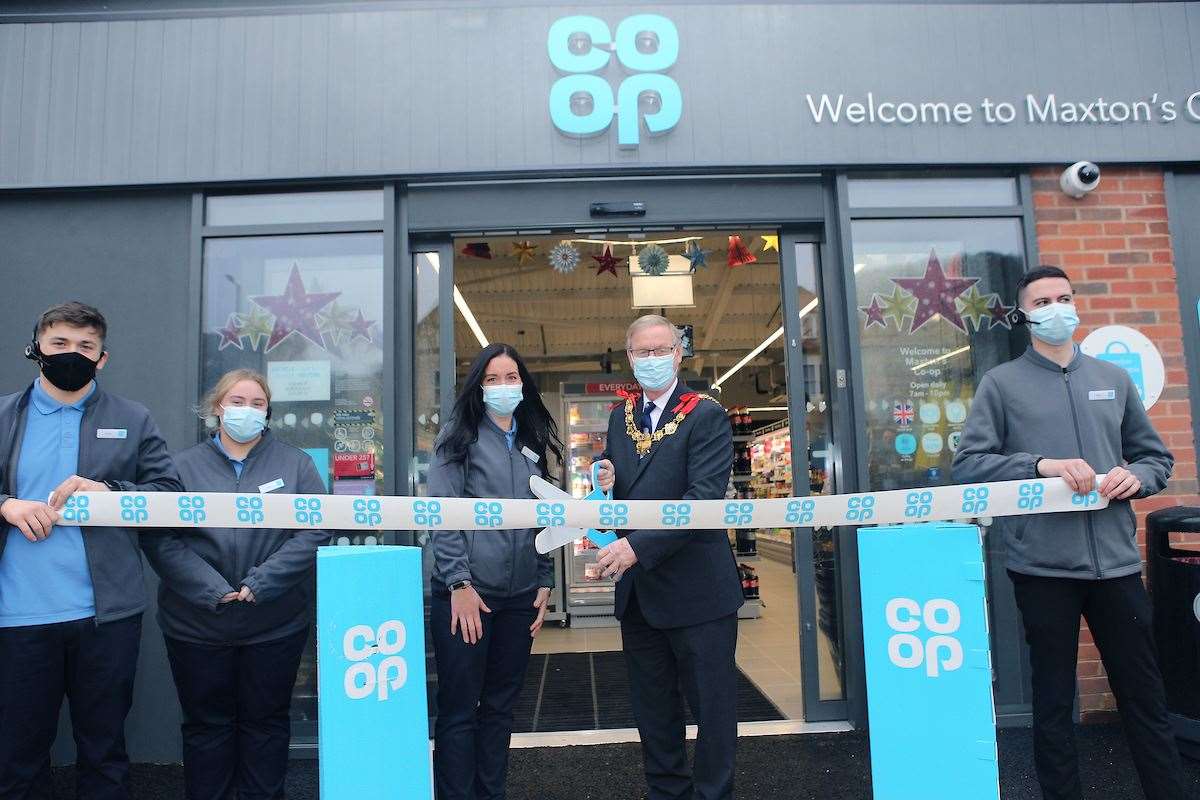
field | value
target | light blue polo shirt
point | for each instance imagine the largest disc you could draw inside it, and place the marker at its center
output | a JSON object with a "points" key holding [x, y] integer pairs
{"points": [[510, 435], [48, 581], [238, 466]]}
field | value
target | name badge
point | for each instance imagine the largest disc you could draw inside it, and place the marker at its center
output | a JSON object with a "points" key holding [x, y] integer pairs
{"points": [[1106, 394], [111, 433], [532, 456], [272, 486]]}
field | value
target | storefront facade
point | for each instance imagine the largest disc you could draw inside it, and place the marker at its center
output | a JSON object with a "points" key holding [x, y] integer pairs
{"points": [[350, 197]]}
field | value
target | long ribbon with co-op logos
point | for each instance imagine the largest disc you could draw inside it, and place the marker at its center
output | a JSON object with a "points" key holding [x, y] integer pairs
{"points": [[339, 512]]}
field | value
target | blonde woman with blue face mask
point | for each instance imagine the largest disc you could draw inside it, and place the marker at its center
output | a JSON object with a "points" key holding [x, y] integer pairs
{"points": [[490, 589], [235, 606]]}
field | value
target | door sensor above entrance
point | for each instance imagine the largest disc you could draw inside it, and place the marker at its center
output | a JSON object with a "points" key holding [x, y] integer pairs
{"points": [[632, 208]]}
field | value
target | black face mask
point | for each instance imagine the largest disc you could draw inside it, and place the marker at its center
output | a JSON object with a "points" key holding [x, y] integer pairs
{"points": [[68, 371]]}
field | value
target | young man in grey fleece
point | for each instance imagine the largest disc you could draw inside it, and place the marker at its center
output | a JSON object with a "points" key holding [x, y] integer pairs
{"points": [[1057, 413]]}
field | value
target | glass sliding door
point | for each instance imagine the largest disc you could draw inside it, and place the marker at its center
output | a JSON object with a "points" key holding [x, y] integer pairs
{"points": [[433, 361], [432, 394], [815, 470]]}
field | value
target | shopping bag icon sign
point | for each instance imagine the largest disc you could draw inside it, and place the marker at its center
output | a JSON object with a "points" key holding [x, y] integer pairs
{"points": [[1119, 353]]}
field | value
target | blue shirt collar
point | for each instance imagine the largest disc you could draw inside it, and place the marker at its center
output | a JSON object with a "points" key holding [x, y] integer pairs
{"points": [[221, 447], [510, 436], [46, 404]]}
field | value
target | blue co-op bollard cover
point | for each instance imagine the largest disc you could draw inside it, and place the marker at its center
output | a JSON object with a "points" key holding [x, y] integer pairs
{"points": [[928, 662], [372, 711]]}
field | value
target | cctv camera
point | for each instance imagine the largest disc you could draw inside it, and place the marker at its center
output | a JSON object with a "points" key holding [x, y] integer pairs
{"points": [[1079, 179]]}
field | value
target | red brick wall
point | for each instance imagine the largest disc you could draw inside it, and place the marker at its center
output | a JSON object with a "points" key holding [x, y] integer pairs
{"points": [[1115, 246]]}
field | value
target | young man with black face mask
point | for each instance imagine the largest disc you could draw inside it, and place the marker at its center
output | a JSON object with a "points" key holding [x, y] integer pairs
{"points": [[1057, 413], [71, 599]]}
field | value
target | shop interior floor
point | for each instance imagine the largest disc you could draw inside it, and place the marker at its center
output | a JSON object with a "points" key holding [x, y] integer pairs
{"points": [[768, 648], [590, 691]]}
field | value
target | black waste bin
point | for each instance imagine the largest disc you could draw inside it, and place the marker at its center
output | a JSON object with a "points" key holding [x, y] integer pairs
{"points": [[1175, 585]]}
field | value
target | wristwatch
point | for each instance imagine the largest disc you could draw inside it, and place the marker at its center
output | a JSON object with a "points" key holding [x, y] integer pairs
{"points": [[454, 587]]}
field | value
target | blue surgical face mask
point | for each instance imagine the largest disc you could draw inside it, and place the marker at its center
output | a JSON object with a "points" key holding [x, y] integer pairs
{"points": [[503, 400], [654, 372], [243, 423], [1055, 323]]}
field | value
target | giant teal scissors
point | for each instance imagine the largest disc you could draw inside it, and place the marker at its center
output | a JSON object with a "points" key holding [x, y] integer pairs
{"points": [[553, 538]]}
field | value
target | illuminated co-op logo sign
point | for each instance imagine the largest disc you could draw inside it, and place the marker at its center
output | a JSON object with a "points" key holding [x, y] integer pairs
{"points": [[582, 102]]}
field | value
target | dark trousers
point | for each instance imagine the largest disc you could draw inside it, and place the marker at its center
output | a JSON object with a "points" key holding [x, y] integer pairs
{"points": [[478, 686], [236, 726], [1118, 612], [93, 667], [701, 659]]}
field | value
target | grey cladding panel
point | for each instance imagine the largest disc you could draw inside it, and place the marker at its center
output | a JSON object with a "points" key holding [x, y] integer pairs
{"points": [[455, 90], [34, 109], [64, 91], [147, 96]]}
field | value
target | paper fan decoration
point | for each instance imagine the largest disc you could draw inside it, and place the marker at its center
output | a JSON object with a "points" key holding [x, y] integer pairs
{"points": [[564, 258], [652, 260], [695, 254], [738, 252]]}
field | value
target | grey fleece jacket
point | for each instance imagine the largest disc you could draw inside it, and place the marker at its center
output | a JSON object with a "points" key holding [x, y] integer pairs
{"points": [[501, 563], [1032, 408], [199, 566]]}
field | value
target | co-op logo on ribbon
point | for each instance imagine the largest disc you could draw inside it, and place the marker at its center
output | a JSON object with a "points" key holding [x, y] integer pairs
{"points": [[582, 102], [939, 652], [365, 677]]}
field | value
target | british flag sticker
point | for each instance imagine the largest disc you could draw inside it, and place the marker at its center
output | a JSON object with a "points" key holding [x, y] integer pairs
{"points": [[903, 414]]}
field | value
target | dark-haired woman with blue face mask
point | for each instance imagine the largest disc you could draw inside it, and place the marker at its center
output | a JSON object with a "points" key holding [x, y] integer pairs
{"points": [[490, 588]]}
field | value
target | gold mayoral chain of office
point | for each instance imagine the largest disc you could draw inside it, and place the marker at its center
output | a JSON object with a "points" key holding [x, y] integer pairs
{"points": [[644, 441]]}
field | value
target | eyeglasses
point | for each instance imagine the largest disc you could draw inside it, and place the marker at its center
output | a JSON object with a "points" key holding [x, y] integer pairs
{"points": [[658, 352]]}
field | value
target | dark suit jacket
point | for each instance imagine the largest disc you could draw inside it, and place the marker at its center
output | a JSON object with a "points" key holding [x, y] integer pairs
{"points": [[683, 577]]}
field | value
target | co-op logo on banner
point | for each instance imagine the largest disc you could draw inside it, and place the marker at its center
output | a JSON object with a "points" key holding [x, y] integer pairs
{"points": [[584, 101], [376, 666], [924, 635]]}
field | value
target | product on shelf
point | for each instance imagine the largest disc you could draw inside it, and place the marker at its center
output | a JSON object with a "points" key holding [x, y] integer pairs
{"points": [[740, 420], [749, 578]]}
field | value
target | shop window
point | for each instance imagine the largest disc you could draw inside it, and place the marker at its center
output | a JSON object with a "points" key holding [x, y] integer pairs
{"points": [[931, 192], [307, 312], [294, 208], [934, 301]]}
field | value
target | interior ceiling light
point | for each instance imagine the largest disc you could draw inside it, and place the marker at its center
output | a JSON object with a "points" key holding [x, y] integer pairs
{"points": [[763, 345], [460, 303]]}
